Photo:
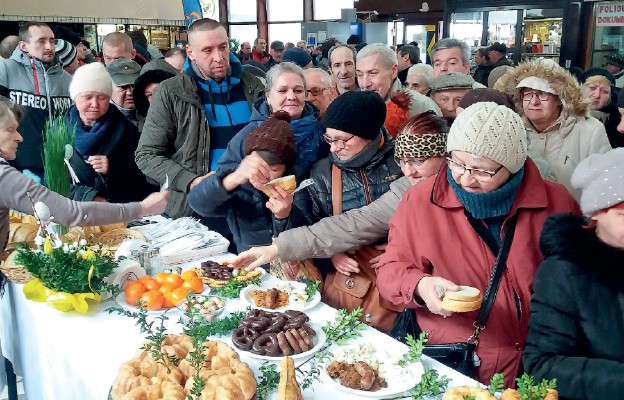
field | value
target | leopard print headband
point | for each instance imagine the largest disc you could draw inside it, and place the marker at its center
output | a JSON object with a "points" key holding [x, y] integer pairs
{"points": [[420, 146]]}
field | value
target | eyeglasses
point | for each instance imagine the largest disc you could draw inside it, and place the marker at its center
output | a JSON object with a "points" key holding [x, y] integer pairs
{"points": [[316, 91], [412, 162], [479, 174], [339, 143], [542, 96]]}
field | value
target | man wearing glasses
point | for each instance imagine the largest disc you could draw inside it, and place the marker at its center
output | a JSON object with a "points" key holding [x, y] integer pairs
{"points": [[434, 244], [319, 89], [556, 117], [124, 73]]}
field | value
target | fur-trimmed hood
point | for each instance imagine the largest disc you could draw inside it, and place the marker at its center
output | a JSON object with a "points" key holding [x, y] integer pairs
{"points": [[562, 82], [564, 237]]}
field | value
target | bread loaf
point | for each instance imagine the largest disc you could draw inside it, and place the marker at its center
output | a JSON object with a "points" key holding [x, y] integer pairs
{"points": [[288, 388], [465, 293]]}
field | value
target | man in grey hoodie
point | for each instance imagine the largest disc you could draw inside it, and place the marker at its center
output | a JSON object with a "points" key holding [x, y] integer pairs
{"points": [[34, 78]]}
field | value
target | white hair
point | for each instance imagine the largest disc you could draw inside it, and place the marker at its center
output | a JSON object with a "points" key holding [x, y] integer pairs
{"points": [[326, 78], [279, 69], [424, 70], [385, 52]]}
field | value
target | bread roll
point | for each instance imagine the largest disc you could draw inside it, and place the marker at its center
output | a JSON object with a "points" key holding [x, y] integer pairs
{"points": [[465, 293], [288, 388], [288, 183], [461, 306]]}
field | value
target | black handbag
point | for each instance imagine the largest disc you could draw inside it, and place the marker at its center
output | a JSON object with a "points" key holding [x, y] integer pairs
{"points": [[461, 356]]}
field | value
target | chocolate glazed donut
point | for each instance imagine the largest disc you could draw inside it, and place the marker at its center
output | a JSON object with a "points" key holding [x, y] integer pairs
{"points": [[266, 344], [294, 314], [296, 323], [256, 323], [242, 338], [277, 324]]}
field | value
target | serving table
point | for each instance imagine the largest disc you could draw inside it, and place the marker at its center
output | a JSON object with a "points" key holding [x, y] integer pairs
{"points": [[72, 356]]}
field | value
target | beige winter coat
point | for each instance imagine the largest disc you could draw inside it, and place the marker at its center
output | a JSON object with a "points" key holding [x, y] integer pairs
{"points": [[574, 136]]}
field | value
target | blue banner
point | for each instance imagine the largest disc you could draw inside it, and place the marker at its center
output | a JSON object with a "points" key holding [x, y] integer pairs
{"points": [[192, 11]]}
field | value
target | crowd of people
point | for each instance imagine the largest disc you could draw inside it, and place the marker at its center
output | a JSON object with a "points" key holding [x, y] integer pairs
{"points": [[418, 173]]}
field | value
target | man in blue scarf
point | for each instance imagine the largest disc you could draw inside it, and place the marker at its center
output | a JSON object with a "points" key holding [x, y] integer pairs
{"points": [[193, 116]]}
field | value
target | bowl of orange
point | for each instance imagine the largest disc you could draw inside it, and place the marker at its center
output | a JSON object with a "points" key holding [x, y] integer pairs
{"points": [[161, 292]]}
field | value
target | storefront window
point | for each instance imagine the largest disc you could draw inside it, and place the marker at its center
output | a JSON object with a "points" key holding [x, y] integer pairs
{"points": [[242, 11], [609, 31], [244, 33], [543, 29], [330, 9], [285, 32], [502, 27], [468, 27], [277, 12], [418, 34]]}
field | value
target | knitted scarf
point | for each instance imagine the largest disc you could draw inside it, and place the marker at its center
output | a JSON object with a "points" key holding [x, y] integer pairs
{"points": [[88, 138], [360, 159]]}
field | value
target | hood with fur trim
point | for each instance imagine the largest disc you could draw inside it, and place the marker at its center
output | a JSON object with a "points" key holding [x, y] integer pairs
{"points": [[562, 82]]}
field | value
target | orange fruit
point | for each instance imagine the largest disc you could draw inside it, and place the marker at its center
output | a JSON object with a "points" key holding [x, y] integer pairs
{"points": [[145, 278], [178, 295], [151, 284], [160, 277], [194, 285], [152, 300], [175, 280], [167, 303], [134, 290], [186, 275], [166, 288]]}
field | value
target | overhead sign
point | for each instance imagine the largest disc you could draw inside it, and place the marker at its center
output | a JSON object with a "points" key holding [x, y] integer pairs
{"points": [[610, 14]]}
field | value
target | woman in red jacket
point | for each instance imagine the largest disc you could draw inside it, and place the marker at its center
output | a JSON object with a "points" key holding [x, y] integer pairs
{"points": [[432, 246]]}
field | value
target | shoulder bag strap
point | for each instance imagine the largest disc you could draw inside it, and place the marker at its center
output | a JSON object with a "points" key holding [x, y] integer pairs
{"points": [[495, 278], [336, 189]]}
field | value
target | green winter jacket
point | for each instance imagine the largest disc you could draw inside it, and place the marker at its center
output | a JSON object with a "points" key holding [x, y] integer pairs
{"points": [[175, 141]]}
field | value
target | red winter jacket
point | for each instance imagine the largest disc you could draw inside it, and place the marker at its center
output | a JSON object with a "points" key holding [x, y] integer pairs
{"points": [[430, 235]]}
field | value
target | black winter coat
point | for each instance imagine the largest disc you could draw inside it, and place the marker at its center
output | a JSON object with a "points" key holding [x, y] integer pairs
{"points": [[124, 182], [576, 328], [360, 186]]}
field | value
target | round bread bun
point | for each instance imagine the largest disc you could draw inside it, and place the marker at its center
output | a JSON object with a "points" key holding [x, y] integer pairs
{"points": [[288, 183], [461, 306], [465, 293]]}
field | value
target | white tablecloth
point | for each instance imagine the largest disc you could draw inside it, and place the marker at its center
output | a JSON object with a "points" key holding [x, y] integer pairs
{"points": [[71, 356]]}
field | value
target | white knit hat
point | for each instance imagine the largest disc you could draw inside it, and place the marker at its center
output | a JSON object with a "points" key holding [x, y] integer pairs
{"points": [[492, 131], [91, 78], [601, 180]]}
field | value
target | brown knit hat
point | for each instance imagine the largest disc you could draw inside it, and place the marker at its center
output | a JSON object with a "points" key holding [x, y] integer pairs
{"points": [[273, 140], [485, 94]]}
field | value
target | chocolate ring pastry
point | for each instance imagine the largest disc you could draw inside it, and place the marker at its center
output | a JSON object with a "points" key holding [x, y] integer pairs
{"points": [[242, 339], [296, 323], [259, 323], [294, 314], [277, 324], [266, 344], [256, 313]]}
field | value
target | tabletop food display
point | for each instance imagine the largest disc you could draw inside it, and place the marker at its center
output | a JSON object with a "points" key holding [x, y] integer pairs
{"points": [[211, 332]]}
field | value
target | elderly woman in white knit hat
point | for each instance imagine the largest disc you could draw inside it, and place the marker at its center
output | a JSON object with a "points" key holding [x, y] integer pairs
{"points": [[577, 309], [451, 228], [556, 116], [105, 141]]}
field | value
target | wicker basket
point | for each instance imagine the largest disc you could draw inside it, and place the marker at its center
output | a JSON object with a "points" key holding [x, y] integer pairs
{"points": [[14, 273], [115, 237]]}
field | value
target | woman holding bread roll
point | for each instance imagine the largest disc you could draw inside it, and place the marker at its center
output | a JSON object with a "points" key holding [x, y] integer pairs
{"points": [[577, 309], [241, 195], [15, 188], [433, 248]]}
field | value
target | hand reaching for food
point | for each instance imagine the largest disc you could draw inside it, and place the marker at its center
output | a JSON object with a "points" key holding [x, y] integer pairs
{"points": [[345, 264], [255, 257], [431, 289]]}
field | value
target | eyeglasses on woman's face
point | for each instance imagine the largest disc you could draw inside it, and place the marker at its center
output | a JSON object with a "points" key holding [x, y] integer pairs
{"points": [[481, 175], [528, 95], [339, 143], [410, 162]]}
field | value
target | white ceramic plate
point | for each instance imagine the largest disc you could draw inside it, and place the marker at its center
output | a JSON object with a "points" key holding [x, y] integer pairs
{"points": [[121, 300], [299, 306], [318, 340], [395, 386]]}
